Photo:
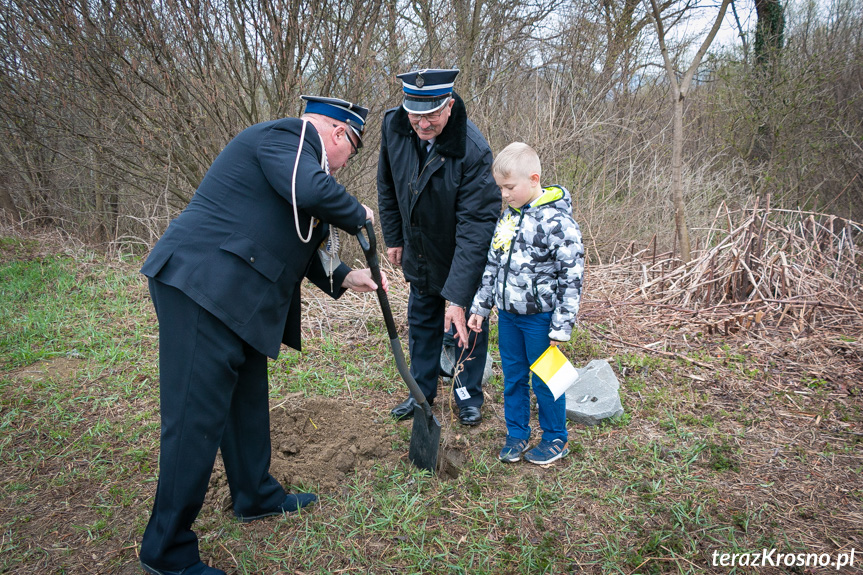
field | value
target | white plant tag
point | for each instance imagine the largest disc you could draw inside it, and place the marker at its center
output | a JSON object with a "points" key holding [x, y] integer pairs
{"points": [[462, 393]]}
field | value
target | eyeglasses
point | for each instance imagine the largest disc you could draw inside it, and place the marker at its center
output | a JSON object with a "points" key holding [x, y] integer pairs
{"points": [[354, 150], [432, 117]]}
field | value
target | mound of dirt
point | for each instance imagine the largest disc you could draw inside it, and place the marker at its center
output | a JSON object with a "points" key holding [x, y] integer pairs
{"points": [[317, 444], [318, 441]]}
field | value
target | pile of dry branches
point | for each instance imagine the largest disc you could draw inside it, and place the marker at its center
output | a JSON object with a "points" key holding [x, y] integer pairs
{"points": [[761, 267], [785, 285]]}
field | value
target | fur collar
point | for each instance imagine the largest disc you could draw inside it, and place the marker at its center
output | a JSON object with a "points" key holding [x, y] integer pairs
{"points": [[451, 141]]}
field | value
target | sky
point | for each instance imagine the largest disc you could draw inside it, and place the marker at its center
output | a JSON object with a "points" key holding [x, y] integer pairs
{"points": [[705, 15]]}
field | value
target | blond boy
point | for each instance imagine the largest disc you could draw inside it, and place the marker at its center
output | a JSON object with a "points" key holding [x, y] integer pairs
{"points": [[533, 275]]}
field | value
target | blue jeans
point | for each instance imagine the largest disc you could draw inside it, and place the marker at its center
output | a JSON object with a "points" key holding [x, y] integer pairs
{"points": [[522, 339]]}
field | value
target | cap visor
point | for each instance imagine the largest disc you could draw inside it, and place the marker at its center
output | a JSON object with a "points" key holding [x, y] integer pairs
{"points": [[424, 105], [359, 136]]}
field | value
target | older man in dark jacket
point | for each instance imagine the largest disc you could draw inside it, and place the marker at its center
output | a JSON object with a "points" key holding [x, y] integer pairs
{"points": [[438, 204], [225, 281]]}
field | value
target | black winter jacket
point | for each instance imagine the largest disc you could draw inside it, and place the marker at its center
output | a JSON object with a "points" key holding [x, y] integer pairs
{"points": [[442, 213]]}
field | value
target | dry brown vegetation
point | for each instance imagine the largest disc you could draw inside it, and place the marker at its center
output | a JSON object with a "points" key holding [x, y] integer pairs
{"points": [[112, 112]]}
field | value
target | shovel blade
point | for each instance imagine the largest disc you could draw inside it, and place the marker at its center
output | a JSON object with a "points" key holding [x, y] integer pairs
{"points": [[425, 440]]}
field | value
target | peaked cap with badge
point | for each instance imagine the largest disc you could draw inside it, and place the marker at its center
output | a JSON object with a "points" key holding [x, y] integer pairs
{"points": [[351, 114], [427, 90]]}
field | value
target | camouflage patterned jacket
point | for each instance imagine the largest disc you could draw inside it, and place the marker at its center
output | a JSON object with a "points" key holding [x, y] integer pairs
{"points": [[535, 263]]}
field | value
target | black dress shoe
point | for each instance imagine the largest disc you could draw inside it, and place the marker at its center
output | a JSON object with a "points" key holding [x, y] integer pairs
{"points": [[405, 410], [469, 415], [292, 503], [196, 569]]}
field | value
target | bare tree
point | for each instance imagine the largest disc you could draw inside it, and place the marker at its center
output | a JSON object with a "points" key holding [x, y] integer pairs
{"points": [[679, 91], [623, 23], [140, 96], [113, 110], [796, 135]]}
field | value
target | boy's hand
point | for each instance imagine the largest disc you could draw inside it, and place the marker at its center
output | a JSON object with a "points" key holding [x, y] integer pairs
{"points": [[475, 322], [553, 343]]}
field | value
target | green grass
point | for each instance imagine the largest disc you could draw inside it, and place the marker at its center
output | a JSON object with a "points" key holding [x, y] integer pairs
{"points": [[326, 367], [58, 308], [655, 491]]}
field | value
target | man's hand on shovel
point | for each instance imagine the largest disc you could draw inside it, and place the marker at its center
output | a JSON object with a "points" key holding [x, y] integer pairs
{"points": [[361, 281], [455, 317]]}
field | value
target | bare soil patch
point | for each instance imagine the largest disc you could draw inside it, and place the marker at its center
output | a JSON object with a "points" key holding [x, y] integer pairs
{"points": [[317, 444]]}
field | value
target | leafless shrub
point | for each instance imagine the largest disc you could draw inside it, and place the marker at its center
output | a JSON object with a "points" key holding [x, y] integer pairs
{"points": [[113, 112]]}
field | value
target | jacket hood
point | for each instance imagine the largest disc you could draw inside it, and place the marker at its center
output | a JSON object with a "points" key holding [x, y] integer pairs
{"points": [[452, 140], [556, 196]]}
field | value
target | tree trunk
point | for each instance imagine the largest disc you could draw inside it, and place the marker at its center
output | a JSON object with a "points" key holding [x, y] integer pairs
{"points": [[769, 33], [468, 20], [769, 38], [677, 180]]}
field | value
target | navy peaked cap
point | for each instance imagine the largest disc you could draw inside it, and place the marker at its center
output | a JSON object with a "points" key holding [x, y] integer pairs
{"points": [[351, 114], [427, 90]]}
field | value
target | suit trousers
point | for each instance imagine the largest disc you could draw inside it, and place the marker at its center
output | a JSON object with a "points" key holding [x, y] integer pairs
{"points": [[426, 321], [213, 394]]}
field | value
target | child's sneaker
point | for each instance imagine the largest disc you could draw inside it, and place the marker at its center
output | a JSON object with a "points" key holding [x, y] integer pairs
{"points": [[547, 451], [512, 449]]}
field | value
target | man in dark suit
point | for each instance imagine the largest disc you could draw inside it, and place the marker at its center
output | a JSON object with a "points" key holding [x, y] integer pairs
{"points": [[225, 283], [438, 205]]}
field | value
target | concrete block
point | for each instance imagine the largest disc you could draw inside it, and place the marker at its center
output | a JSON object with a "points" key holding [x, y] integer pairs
{"points": [[595, 394]]}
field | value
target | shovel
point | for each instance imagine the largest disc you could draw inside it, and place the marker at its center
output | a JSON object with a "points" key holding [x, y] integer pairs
{"points": [[425, 435]]}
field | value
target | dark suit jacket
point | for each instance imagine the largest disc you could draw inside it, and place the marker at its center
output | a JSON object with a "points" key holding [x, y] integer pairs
{"points": [[235, 249]]}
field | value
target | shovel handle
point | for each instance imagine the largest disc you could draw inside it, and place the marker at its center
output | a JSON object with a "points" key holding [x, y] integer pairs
{"points": [[369, 246]]}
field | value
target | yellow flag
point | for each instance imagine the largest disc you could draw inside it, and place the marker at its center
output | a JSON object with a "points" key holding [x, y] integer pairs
{"points": [[555, 371]]}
